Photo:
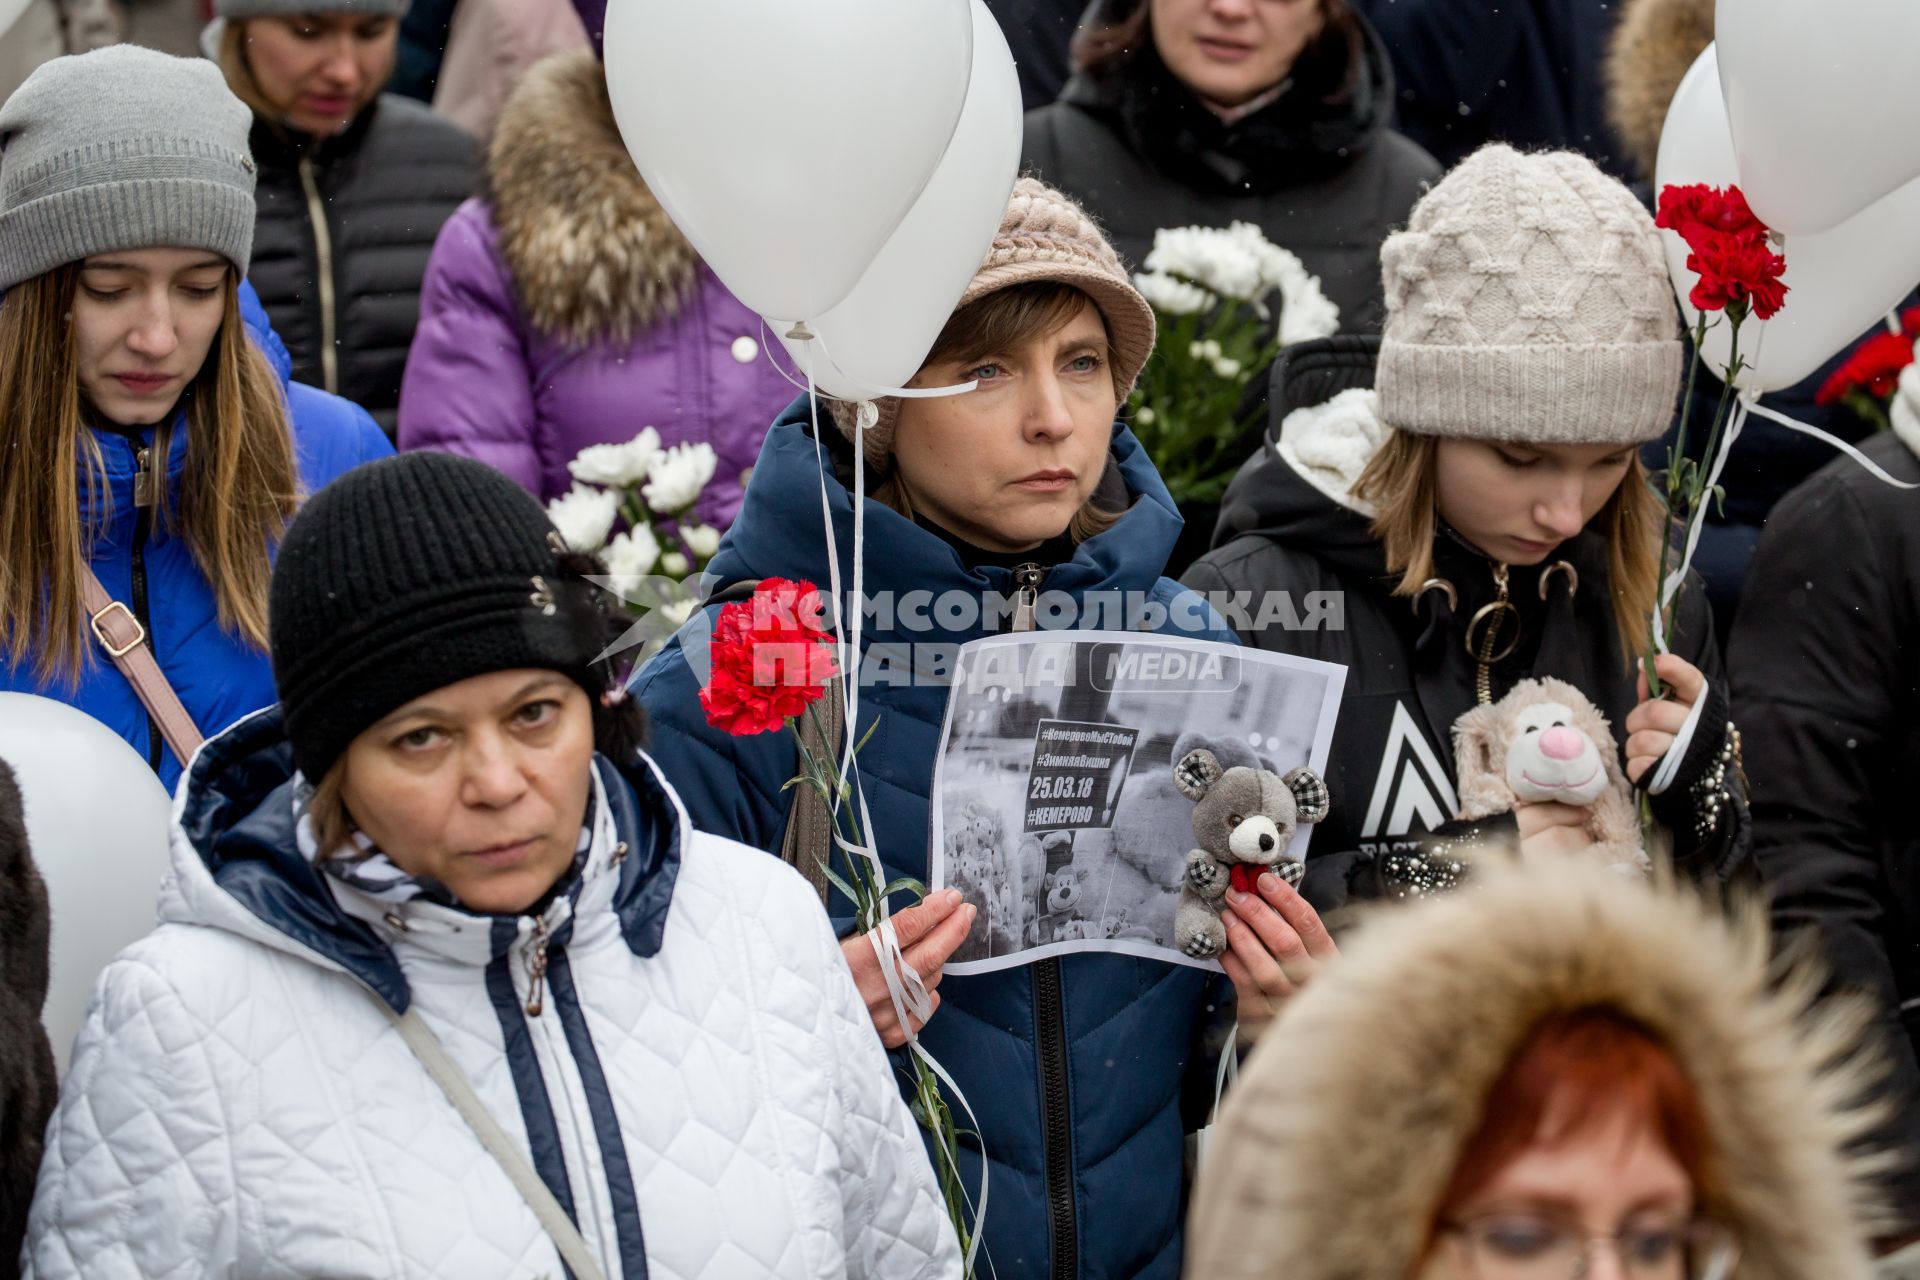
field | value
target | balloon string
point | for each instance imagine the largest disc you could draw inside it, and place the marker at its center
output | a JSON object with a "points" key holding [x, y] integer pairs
{"points": [[902, 393], [910, 995]]}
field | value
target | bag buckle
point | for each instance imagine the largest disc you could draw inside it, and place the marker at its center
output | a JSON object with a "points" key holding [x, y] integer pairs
{"points": [[100, 631]]}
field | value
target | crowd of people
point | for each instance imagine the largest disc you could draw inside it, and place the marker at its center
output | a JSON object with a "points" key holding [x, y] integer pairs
{"points": [[483, 952]]}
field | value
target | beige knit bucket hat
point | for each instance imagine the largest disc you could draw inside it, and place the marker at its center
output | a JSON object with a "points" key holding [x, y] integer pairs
{"points": [[1043, 236]]}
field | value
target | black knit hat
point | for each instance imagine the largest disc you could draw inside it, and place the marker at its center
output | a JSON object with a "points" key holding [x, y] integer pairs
{"points": [[407, 575]]}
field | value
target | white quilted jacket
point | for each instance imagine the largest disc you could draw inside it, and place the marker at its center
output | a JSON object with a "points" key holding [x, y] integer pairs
{"points": [[238, 1106]]}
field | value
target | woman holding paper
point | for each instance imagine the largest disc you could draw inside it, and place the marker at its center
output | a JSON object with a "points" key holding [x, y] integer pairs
{"points": [[1483, 515], [1024, 488]]}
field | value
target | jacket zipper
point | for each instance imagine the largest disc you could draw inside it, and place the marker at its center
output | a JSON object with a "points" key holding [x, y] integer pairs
{"points": [[588, 1204], [1050, 1031], [323, 253], [142, 526], [1050, 1024], [1026, 579]]}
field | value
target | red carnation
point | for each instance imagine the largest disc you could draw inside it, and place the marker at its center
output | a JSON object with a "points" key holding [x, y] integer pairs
{"points": [[1730, 251], [1699, 212], [771, 659], [1873, 369]]}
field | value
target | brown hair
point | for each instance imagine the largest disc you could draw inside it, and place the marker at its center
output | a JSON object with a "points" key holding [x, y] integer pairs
{"points": [[240, 488], [327, 809], [1000, 321], [1329, 66], [1399, 483], [1576, 1071], [232, 60]]}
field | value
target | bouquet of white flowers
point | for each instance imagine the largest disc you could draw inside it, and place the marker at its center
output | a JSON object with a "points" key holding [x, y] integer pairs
{"points": [[655, 560], [1212, 290]]}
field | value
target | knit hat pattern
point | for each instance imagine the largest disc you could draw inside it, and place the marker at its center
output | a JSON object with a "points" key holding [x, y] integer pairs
{"points": [[122, 148], [1043, 236], [1528, 301], [407, 575], [285, 8]]}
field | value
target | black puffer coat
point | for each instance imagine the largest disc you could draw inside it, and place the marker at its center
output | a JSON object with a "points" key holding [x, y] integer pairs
{"points": [[28, 1087], [1324, 179], [1825, 660], [346, 224], [1409, 673]]}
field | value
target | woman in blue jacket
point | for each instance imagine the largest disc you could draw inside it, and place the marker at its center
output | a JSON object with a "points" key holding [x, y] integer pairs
{"points": [[1028, 490], [145, 435]]}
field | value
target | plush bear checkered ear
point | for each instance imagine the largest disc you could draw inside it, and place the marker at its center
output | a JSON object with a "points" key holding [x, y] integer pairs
{"points": [[1196, 773], [1311, 800]]}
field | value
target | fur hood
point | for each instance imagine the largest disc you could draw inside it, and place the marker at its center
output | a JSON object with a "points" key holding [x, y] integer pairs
{"points": [[1647, 57], [592, 253], [1332, 1153]]}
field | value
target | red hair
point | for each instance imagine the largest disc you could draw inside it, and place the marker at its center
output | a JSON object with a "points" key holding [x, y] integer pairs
{"points": [[1576, 1071]]}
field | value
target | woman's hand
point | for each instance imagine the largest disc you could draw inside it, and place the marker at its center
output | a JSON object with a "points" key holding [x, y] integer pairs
{"points": [[1549, 830], [1276, 943], [1653, 724], [929, 932]]}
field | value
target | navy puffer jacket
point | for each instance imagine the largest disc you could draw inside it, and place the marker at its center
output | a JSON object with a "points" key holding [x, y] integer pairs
{"points": [[1076, 1067]]}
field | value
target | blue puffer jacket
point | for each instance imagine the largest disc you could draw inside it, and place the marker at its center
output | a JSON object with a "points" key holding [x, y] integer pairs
{"points": [[1076, 1066], [219, 676]]}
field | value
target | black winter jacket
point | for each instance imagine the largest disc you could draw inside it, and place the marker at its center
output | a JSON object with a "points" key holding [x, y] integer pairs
{"points": [[28, 1087], [346, 224], [1478, 71], [1325, 180], [1825, 658], [1409, 673]]}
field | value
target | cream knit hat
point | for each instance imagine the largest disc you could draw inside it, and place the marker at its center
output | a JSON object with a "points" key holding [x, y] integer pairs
{"points": [[1528, 301], [1043, 235]]}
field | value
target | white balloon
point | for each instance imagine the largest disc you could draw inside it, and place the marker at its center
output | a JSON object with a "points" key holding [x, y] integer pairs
{"points": [[1822, 99], [787, 138], [878, 337], [98, 822], [1840, 280]]}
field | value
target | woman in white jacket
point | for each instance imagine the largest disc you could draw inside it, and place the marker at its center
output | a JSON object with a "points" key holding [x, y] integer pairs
{"points": [[419, 852]]}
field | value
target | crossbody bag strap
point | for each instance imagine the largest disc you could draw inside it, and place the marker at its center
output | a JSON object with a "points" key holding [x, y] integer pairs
{"points": [[447, 1074], [126, 642]]}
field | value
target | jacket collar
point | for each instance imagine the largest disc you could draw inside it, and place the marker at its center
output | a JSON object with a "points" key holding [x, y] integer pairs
{"points": [[779, 532], [237, 867], [281, 146], [594, 256]]}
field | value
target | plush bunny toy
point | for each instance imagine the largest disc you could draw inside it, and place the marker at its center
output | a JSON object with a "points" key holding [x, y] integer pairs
{"points": [[1545, 742], [1244, 818]]}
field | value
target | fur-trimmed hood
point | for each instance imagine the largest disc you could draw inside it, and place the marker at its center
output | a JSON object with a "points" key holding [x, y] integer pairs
{"points": [[1647, 57], [1334, 1150], [593, 254]]}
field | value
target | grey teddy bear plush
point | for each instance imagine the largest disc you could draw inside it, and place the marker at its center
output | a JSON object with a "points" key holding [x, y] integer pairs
{"points": [[1244, 818]]}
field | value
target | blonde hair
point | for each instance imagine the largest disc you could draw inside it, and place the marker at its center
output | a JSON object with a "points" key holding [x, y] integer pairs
{"points": [[1400, 484], [999, 321], [327, 810], [241, 484]]}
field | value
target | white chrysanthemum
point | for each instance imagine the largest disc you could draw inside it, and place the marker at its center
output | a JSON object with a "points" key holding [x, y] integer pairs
{"points": [[1173, 297], [678, 611], [1144, 416], [619, 465], [1220, 260], [678, 475], [674, 565], [1204, 351], [629, 558], [584, 516], [1227, 368], [702, 540]]}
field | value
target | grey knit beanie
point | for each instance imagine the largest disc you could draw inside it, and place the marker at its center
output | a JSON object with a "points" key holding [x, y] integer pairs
{"points": [[122, 148], [1043, 236], [284, 8], [1528, 301]]}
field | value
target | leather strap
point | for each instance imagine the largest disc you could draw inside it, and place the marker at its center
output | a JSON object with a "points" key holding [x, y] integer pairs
{"points": [[446, 1073], [126, 642]]}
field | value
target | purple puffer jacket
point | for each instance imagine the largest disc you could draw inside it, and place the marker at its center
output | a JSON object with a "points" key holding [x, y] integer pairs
{"points": [[571, 312]]}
